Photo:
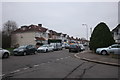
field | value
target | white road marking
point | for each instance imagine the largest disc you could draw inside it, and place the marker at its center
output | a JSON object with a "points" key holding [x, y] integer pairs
{"points": [[25, 68], [58, 59], [36, 65], [66, 57], [16, 71], [3, 74], [61, 58], [42, 63], [11, 72]]}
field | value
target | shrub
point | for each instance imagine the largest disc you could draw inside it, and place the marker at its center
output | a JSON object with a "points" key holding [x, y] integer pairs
{"points": [[101, 37]]}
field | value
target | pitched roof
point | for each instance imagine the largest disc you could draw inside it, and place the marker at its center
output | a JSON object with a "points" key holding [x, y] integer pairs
{"points": [[68, 37], [31, 28], [52, 32], [59, 34], [64, 35]]}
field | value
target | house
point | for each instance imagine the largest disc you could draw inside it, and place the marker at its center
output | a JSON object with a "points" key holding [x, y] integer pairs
{"points": [[34, 34], [116, 34], [29, 35], [64, 38], [52, 34], [60, 36]]}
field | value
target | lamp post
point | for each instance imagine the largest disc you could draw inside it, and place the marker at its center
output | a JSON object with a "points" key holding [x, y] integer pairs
{"points": [[90, 31], [86, 30]]}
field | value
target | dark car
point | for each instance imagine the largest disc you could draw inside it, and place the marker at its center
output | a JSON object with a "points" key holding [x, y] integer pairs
{"points": [[74, 48], [25, 50]]}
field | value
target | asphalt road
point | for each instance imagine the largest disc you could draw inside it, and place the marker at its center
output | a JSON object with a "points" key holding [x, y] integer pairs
{"points": [[57, 64]]}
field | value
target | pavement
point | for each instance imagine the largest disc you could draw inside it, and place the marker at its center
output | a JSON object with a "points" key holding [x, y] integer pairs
{"points": [[90, 56]]}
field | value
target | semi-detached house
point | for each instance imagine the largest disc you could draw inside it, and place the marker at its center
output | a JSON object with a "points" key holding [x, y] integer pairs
{"points": [[29, 35]]}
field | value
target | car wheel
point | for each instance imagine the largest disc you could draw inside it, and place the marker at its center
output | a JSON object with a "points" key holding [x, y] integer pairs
{"points": [[35, 52], [104, 52], [69, 50], [5, 55], [77, 51], [24, 54], [52, 50], [46, 50]]}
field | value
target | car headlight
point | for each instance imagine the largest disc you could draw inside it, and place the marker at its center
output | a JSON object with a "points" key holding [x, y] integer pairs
{"points": [[98, 50]]}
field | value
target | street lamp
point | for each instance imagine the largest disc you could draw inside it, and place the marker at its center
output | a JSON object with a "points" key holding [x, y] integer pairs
{"points": [[90, 31], [86, 31]]}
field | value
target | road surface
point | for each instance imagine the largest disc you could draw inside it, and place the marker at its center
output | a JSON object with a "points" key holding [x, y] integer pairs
{"points": [[57, 64]]}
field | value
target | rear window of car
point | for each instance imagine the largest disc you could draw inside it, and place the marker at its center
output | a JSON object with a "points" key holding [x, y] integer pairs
{"points": [[73, 46], [22, 47]]}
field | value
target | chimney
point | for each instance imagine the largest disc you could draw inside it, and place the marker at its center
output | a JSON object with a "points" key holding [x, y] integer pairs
{"points": [[40, 25]]}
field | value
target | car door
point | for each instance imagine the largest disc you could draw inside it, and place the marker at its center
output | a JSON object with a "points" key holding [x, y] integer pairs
{"points": [[48, 47], [114, 49], [51, 48], [118, 48], [29, 49], [32, 48]]}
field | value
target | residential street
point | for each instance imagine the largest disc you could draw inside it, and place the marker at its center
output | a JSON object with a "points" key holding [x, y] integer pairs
{"points": [[57, 64], [56, 39]]}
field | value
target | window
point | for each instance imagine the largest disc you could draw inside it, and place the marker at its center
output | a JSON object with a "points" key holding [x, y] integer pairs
{"points": [[37, 34], [118, 46], [114, 46]]}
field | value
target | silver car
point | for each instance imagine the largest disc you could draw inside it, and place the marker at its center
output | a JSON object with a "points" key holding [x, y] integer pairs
{"points": [[115, 49], [4, 53], [45, 48]]}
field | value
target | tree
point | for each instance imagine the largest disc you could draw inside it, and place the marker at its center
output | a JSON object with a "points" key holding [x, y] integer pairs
{"points": [[101, 37], [8, 28]]}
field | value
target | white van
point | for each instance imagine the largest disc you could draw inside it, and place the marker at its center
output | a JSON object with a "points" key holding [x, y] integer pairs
{"points": [[57, 46]]}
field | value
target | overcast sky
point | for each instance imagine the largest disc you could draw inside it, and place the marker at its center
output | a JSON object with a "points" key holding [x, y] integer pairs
{"points": [[66, 17]]}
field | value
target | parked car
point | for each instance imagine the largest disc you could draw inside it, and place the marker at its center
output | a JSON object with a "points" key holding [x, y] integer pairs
{"points": [[82, 47], [25, 50], [4, 53], [45, 48], [57, 46], [115, 49], [74, 48], [63, 45], [67, 46]]}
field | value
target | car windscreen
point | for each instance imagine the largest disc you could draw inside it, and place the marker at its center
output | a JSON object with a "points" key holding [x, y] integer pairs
{"points": [[45, 46], [22, 47]]}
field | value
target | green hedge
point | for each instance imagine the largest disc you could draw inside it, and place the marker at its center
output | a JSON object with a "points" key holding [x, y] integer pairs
{"points": [[101, 37]]}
